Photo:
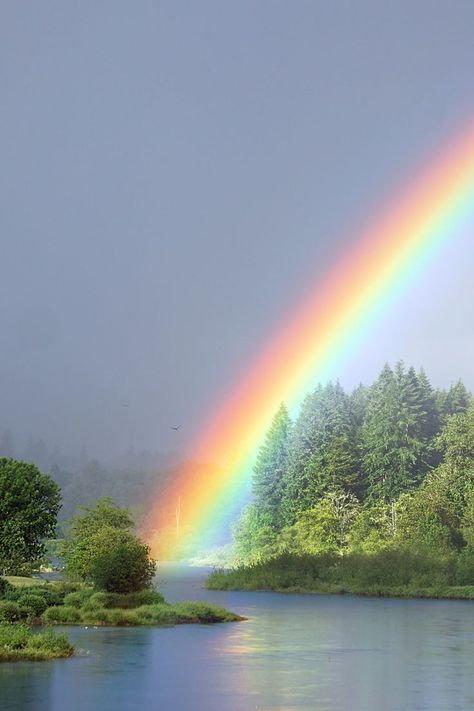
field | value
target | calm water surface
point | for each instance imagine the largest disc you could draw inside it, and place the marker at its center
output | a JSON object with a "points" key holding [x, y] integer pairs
{"points": [[323, 653]]}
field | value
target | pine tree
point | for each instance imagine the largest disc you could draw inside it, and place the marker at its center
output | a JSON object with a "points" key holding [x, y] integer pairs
{"points": [[392, 443], [270, 469], [323, 454], [454, 401]]}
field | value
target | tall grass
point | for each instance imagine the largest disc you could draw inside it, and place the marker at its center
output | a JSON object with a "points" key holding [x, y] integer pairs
{"points": [[17, 642], [390, 572]]}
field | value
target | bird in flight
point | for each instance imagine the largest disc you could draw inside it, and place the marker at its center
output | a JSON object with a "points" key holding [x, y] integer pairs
{"points": [[175, 427]]}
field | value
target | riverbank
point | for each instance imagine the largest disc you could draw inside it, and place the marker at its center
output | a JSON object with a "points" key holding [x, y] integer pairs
{"points": [[19, 643], [388, 574], [26, 606]]}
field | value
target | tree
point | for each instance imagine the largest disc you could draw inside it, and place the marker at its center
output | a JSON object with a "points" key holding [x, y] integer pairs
{"points": [[323, 453], [455, 401], [121, 562], [393, 443], [29, 505], [326, 527], [373, 529], [101, 548], [270, 469], [254, 536]]}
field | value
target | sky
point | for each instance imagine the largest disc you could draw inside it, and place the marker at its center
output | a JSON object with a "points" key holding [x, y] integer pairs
{"points": [[176, 175]]}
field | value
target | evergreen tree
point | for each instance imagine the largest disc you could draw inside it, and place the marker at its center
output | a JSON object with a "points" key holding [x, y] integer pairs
{"points": [[392, 442], [270, 469], [430, 420], [323, 453], [454, 401]]}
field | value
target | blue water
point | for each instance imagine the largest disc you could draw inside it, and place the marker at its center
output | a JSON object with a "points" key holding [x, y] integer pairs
{"points": [[323, 653]]}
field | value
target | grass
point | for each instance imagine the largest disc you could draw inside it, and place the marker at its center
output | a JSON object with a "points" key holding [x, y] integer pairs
{"points": [[18, 642], [78, 604], [158, 614], [386, 574], [22, 581]]}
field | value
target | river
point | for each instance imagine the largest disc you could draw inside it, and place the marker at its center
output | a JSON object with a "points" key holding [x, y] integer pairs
{"points": [[324, 653]]}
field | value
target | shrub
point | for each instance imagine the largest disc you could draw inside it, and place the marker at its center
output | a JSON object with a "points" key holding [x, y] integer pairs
{"points": [[131, 600], [465, 567], [122, 617], [78, 598], [12, 593], [13, 636], [18, 642], [62, 614], [36, 603], [201, 612], [161, 614], [50, 641], [5, 586], [9, 611], [95, 601], [124, 566]]}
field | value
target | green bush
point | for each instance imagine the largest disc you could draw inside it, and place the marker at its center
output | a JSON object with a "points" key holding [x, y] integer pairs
{"points": [[12, 594], [122, 617], [201, 612], [161, 614], [13, 636], [95, 601], [131, 600], [18, 642], [62, 614], [36, 603], [78, 598], [5, 586], [465, 567], [50, 641], [10, 611], [124, 566]]}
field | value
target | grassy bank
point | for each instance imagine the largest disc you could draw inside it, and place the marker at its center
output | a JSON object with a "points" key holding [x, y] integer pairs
{"points": [[75, 604], [386, 574], [18, 642]]}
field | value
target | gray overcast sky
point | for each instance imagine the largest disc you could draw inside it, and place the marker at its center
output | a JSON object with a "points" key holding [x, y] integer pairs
{"points": [[174, 175]]}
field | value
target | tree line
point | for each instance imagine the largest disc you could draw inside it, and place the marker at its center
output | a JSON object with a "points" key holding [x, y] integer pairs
{"points": [[390, 465]]}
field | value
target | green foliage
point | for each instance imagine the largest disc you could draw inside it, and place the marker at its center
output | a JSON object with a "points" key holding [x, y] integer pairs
{"points": [[254, 535], [373, 529], [122, 565], [78, 598], [29, 504], [36, 603], [389, 572], [18, 642], [322, 453], [10, 611], [62, 615], [86, 530], [385, 471], [202, 612], [325, 528], [5, 587], [394, 437], [271, 468], [101, 548]]}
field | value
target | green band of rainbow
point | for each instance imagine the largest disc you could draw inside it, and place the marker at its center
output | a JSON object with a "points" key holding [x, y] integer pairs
{"points": [[315, 340]]}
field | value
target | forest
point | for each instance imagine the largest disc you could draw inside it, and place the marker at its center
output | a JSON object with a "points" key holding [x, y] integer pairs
{"points": [[381, 476]]}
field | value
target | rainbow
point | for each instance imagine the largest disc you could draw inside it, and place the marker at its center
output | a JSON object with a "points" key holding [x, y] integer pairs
{"points": [[310, 345]]}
